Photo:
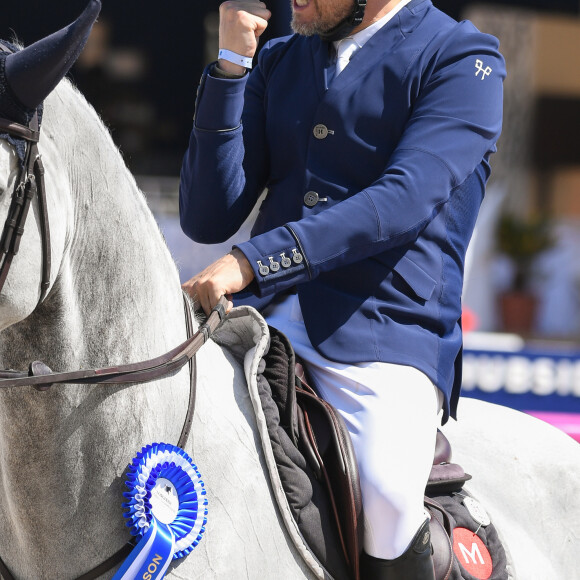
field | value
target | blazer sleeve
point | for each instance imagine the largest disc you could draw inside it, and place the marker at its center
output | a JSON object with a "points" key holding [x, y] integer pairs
{"points": [[454, 125], [225, 167]]}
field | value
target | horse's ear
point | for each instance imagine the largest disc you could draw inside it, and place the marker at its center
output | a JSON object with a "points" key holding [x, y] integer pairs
{"points": [[34, 72]]}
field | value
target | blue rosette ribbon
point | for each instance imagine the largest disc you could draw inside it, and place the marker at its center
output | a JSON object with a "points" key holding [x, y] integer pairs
{"points": [[166, 510]]}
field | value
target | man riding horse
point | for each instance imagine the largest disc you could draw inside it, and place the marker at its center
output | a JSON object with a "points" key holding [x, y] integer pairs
{"points": [[371, 128]]}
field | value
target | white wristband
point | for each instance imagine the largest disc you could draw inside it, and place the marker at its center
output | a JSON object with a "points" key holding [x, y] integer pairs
{"points": [[234, 57]]}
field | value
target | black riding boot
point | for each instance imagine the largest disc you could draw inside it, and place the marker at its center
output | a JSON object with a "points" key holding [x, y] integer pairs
{"points": [[415, 564]]}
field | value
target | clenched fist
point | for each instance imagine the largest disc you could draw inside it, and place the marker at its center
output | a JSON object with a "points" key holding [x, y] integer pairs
{"points": [[242, 22]]}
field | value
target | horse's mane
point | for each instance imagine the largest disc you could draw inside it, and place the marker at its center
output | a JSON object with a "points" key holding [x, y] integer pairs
{"points": [[75, 101], [113, 240], [71, 106], [95, 164]]}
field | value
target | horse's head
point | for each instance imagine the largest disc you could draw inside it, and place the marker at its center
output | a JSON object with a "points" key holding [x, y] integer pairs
{"points": [[27, 77]]}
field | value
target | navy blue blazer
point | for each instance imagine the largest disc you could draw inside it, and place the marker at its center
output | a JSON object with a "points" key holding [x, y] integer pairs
{"points": [[374, 184]]}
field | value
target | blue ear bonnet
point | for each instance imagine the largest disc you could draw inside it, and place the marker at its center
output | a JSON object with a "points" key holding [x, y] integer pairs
{"points": [[11, 108], [29, 75]]}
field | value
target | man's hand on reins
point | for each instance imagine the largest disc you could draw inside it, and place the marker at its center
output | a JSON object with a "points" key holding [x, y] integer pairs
{"points": [[242, 22], [231, 273]]}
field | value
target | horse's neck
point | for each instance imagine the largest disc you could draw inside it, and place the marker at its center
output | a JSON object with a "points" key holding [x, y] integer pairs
{"points": [[116, 299], [117, 294]]}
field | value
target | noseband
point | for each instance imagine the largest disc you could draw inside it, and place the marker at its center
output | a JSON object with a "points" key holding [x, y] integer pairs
{"points": [[30, 184]]}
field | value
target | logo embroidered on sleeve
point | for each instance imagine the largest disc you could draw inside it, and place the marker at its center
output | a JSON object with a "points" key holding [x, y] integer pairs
{"points": [[480, 69]]}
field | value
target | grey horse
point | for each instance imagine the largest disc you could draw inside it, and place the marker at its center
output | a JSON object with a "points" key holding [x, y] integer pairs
{"points": [[112, 296]]}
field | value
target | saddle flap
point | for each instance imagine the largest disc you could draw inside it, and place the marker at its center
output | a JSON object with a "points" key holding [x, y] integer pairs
{"points": [[329, 441]]}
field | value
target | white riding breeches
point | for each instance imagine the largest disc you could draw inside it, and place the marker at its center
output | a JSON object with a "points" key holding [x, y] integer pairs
{"points": [[391, 412]]}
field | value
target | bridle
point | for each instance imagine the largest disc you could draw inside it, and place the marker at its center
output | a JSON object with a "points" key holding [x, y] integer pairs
{"points": [[30, 184]]}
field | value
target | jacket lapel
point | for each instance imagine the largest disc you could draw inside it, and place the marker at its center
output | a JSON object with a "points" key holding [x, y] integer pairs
{"points": [[384, 42]]}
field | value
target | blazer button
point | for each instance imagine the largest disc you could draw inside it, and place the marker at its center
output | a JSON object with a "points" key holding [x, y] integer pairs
{"points": [[274, 266], [286, 262], [322, 131], [264, 270], [312, 198], [297, 256]]}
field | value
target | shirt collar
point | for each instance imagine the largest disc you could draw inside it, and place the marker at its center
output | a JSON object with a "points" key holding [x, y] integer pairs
{"points": [[364, 35]]}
